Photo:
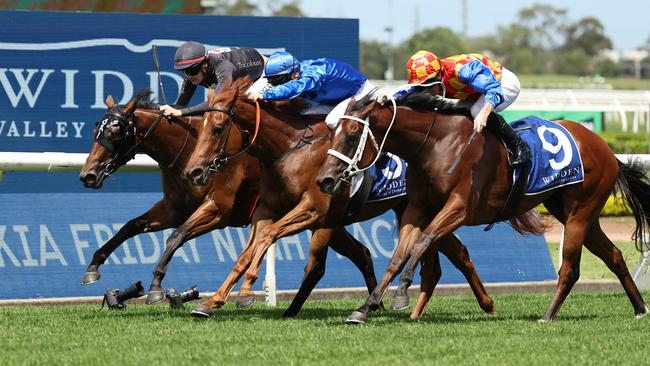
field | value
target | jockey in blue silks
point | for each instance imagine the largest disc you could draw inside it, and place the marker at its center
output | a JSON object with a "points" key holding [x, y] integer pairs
{"points": [[324, 83]]}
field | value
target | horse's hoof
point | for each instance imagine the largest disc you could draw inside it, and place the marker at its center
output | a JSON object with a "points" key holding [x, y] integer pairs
{"points": [[544, 321], [245, 301], [90, 277], [201, 311], [155, 296], [289, 313], [400, 303], [357, 317], [642, 315]]}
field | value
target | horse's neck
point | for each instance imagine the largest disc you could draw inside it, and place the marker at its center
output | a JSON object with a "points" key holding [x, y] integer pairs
{"points": [[168, 144], [276, 136]]}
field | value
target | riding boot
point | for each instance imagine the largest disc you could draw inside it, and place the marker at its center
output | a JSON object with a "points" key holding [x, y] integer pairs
{"points": [[519, 149]]}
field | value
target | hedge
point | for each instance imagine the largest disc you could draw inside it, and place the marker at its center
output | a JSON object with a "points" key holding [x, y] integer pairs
{"points": [[613, 207]]}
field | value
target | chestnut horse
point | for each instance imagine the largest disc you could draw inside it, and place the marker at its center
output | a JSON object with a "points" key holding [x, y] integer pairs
{"points": [[476, 191], [291, 151], [226, 200]]}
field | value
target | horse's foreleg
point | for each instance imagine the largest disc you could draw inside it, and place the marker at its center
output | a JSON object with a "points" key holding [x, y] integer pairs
{"points": [[297, 220], [314, 270], [409, 231], [430, 273], [447, 220], [261, 219], [451, 246], [600, 245], [156, 218], [204, 219], [346, 245]]}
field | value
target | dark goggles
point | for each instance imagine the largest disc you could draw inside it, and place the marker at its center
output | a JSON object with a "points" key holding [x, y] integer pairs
{"points": [[278, 79], [191, 71]]}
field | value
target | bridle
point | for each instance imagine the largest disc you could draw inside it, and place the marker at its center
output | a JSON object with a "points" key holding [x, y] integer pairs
{"points": [[221, 158], [353, 163]]}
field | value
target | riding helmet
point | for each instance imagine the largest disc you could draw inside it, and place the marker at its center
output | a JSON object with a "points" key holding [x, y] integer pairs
{"points": [[281, 63], [422, 66], [189, 54]]}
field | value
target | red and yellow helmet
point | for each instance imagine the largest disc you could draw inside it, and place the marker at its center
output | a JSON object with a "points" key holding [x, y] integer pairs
{"points": [[422, 66]]}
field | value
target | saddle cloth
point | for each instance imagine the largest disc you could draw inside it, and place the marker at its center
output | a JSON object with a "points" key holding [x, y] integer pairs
{"points": [[556, 160], [388, 178]]}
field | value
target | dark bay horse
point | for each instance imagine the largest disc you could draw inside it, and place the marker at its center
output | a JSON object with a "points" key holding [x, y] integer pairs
{"points": [[291, 152], [476, 191], [226, 200]]}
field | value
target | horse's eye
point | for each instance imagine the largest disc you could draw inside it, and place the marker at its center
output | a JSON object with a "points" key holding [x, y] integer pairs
{"points": [[217, 130]]}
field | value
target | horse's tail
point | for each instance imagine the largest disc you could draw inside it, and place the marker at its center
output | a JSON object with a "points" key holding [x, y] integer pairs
{"points": [[529, 223], [634, 186]]}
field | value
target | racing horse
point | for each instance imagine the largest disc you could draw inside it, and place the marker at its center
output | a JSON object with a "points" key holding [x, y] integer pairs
{"points": [[226, 200], [291, 150], [443, 198]]}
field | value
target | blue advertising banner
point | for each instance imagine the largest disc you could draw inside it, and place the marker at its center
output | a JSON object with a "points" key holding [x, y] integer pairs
{"points": [[47, 241], [56, 68]]}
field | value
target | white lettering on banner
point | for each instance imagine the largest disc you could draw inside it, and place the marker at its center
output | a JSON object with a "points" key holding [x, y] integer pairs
{"points": [[62, 128], [23, 83], [28, 131], [155, 254], [4, 247], [295, 241], [128, 258], [79, 244], [243, 239], [374, 232], [69, 89], [103, 234], [222, 243], [43, 128], [22, 230], [99, 87], [46, 237]]}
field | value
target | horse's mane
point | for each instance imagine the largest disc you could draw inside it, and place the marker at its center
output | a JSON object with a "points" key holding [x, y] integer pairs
{"points": [[425, 101], [144, 100]]}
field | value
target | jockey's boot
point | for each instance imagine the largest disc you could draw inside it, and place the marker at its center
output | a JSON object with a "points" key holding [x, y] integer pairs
{"points": [[519, 149]]}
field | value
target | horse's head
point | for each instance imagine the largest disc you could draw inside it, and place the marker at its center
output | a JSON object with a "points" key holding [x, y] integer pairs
{"points": [[354, 146], [220, 139], [114, 139]]}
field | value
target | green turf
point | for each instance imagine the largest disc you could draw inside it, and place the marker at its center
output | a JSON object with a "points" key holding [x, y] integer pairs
{"points": [[591, 267], [592, 328]]}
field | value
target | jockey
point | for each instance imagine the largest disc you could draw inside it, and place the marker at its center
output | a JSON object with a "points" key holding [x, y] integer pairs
{"points": [[474, 77], [324, 83], [211, 69]]}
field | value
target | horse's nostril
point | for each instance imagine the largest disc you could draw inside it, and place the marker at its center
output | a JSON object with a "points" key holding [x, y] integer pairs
{"points": [[88, 178]]}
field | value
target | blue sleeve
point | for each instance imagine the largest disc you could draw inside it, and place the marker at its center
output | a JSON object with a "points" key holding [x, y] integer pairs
{"points": [[308, 81], [402, 92], [481, 79]]}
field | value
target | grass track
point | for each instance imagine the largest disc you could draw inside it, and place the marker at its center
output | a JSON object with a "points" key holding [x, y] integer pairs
{"points": [[592, 328]]}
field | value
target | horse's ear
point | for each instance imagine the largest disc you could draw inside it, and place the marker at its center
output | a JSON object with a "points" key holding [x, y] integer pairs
{"points": [[110, 103], [130, 108]]}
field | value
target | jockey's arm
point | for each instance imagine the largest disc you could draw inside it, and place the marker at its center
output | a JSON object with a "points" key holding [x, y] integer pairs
{"points": [[294, 88], [481, 79]]}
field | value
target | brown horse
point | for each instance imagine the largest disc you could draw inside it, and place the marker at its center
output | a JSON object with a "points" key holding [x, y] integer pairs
{"points": [[476, 191], [291, 151], [226, 200]]}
